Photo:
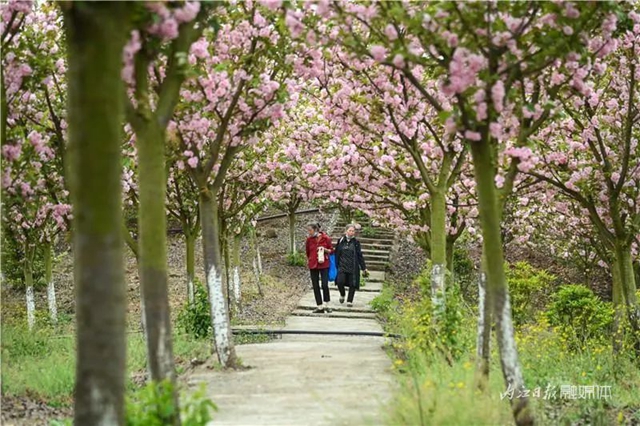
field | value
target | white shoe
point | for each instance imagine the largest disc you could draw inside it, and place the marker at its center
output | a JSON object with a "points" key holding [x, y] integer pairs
{"points": [[349, 305]]}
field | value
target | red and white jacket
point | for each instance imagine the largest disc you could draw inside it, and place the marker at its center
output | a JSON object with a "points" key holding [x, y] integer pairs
{"points": [[322, 240]]}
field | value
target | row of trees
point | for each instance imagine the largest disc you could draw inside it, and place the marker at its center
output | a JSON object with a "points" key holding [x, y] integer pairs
{"points": [[440, 118]]}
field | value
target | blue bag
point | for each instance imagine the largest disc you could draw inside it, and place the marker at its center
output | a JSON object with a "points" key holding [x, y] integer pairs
{"points": [[333, 269]]}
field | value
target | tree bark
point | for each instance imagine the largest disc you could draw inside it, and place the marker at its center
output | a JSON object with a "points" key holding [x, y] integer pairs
{"points": [[438, 251], [496, 280], [96, 33], [28, 282], [213, 271], [292, 232], [152, 226], [190, 241], [48, 278], [237, 239], [483, 349], [628, 287], [618, 306]]}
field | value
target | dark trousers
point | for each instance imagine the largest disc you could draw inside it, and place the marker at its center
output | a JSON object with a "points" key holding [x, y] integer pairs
{"points": [[349, 280], [316, 276]]}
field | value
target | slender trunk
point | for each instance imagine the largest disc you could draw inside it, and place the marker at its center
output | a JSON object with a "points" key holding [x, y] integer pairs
{"points": [[618, 306], [96, 33], [438, 251], [237, 239], [213, 265], [190, 241], [227, 271], [256, 261], [48, 278], [496, 280], [450, 248], [28, 281], [152, 226], [483, 349], [628, 287], [292, 232]]}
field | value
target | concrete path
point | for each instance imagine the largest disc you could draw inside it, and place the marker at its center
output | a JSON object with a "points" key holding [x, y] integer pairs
{"points": [[309, 379]]}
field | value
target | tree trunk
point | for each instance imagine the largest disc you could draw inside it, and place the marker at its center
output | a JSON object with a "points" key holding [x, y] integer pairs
{"points": [[438, 251], [190, 241], [28, 282], [496, 281], [213, 272], [483, 348], [48, 278], [292, 232], [628, 287], [618, 306], [237, 239], [450, 249], [96, 33], [256, 267], [152, 226]]}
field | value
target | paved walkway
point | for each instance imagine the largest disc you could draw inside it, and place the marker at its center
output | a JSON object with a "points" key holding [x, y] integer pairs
{"points": [[310, 379]]}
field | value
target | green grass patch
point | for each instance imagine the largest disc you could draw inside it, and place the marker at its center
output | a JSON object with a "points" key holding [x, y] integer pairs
{"points": [[41, 363], [436, 371]]}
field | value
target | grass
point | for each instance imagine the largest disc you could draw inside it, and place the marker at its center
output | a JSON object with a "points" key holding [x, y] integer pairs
{"points": [[431, 391], [41, 364]]}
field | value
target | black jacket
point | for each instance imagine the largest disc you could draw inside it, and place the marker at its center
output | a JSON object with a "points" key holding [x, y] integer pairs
{"points": [[358, 265]]}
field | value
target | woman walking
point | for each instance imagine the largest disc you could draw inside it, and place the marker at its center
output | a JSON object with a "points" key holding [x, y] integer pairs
{"points": [[350, 262], [319, 248]]}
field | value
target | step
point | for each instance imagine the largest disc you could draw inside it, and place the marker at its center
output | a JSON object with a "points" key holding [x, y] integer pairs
{"points": [[334, 314], [376, 251], [379, 257], [338, 307]]}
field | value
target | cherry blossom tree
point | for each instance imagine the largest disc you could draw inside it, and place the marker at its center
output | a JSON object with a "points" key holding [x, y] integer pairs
{"points": [[239, 88], [36, 205], [96, 34], [502, 66], [154, 82], [592, 155]]}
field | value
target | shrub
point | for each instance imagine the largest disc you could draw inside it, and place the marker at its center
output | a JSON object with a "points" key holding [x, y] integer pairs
{"points": [[195, 318], [296, 259], [579, 315], [384, 302], [526, 285], [368, 232], [153, 405]]}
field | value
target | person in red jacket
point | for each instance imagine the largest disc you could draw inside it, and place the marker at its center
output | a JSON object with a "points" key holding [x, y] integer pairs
{"points": [[319, 248]]}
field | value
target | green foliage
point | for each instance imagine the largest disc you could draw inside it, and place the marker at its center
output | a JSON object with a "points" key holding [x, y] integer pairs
{"points": [[384, 303], [153, 405], [579, 315], [368, 232], [195, 318], [464, 274], [432, 335], [13, 259], [528, 289], [296, 259]]}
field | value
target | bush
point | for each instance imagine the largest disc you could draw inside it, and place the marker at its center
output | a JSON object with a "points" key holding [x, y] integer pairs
{"points": [[195, 318], [153, 405], [12, 262], [527, 285], [579, 315], [296, 259], [368, 232], [384, 303]]}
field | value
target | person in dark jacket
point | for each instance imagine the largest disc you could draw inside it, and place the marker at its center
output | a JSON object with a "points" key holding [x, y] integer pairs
{"points": [[319, 248], [350, 262]]}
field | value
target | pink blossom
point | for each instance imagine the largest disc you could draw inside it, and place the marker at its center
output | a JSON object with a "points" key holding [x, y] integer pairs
{"points": [[271, 4], [11, 152], [200, 48], [294, 24], [193, 162], [472, 136], [390, 32], [398, 61], [567, 30], [188, 12], [379, 53], [497, 95], [169, 29], [496, 130]]}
